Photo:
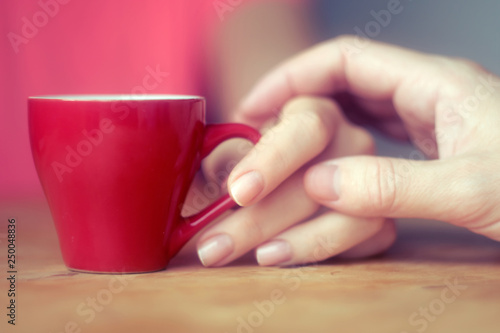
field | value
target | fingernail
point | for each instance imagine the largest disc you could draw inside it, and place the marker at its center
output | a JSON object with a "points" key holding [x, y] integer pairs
{"points": [[245, 188], [274, 253], [215, 249], [325, 181]]}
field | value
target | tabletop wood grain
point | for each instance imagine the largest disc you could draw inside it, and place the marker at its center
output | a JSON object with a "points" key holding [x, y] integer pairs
{"points": [[436, 278]]}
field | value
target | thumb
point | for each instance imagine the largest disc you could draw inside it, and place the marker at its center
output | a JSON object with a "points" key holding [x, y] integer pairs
{"points": [[452, 190]]}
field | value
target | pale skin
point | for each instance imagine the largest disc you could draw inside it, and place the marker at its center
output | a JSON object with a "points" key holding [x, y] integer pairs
{"points": [[312, 189]]}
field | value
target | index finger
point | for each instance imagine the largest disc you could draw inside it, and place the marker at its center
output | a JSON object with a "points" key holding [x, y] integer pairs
{"points": [[367, 69]]}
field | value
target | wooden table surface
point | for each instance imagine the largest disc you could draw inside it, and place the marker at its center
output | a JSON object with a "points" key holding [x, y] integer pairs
{"points": [[437, 278]]}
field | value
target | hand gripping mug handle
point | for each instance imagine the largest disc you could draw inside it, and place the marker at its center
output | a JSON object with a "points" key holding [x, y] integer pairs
{"points": [[189, 226]]}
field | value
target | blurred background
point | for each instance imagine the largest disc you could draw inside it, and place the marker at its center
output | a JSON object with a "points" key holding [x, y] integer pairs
{"points": [[215, 48]]}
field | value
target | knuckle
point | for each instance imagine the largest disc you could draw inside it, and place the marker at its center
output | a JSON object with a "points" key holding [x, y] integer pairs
{"points": [[473, 192], [313, 123], [468, 65], [449, 70], [344, 39], [269, 152], [458, 76], [281, 158], [380, 187], [314, 117], [296, 104]]}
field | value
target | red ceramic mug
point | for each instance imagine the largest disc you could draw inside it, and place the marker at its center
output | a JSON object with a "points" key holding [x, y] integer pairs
{"points": [[116, 171]]}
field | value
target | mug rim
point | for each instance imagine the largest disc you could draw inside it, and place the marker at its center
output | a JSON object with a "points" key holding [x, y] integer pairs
{"points": [[116, 97]]}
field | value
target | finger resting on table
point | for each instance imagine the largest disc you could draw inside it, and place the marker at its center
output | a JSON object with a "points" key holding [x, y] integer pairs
{"points": [[376, 244], [250, 226], [318, 239]]}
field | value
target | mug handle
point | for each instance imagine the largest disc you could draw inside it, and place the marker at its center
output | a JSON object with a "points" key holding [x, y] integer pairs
{"points": [[189, 226]]}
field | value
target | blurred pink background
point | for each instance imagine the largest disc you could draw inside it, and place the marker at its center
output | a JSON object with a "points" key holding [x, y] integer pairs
{"points": [[74, 46], [70, 47]]}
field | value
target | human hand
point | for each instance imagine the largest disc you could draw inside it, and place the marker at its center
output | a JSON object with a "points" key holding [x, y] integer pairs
{"points": [[310, 129], [450, 108]]}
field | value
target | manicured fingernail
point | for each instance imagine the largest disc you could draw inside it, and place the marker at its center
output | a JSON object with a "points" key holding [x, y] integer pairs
{"points": [[245, 188], [215, 249], [274, 253], [325, 179]]}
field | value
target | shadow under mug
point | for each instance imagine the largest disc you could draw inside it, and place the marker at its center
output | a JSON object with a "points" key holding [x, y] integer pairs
{"points": [[116, 169]]}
